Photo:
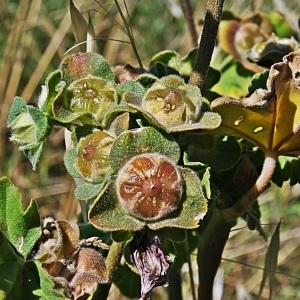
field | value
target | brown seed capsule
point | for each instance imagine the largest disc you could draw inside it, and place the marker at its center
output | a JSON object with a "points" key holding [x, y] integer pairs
{"points": [[149, 186]]}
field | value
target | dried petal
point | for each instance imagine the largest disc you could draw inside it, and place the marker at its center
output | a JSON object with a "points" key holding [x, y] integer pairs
{"points": [[152, 264]]}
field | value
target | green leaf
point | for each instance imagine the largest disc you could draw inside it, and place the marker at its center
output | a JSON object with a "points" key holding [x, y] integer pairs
{"points": [[21, 228], [121, 236], [206, 183], [69, 161], [147, 79], [160, 70], [34, 154], [258, 81], [287, 168], [80, 65], [187, 63], [168, 57], [10, 269], [282, 27], [11, 280], [219, 153], [29, 124], [226, 154], [271, 261], [108, 215], [131, 86], [17, 281], [29, 127], [127, 281], [234, 80], [142, 140], [47, 291], [86, 190], [194, 205], [53, 88]]}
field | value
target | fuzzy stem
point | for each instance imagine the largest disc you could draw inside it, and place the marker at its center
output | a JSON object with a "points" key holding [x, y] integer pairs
{"points": [[188, 14], [207, 42], [112, 261], [239, 208]]}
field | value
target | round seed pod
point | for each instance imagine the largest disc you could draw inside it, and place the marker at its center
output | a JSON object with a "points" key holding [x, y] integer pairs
{"points": [[93, 156], [149, 186]]}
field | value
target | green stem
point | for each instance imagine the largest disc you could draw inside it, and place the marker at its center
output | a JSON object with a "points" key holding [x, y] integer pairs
{"points": [[245, 202], [207, 43], [175, 282], [211, 242], [188, 257], [112, 261], [213, 237]]}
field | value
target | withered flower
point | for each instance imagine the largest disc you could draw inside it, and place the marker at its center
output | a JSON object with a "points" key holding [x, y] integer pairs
{"points": [[151, 263], [74, 268]]}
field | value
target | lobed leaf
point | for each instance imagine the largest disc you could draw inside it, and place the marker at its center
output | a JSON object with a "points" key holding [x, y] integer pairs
{"points": [[261, 118]]}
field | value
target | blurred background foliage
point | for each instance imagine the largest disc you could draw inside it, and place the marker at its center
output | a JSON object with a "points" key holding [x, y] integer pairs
{"points": [[34, 37]]}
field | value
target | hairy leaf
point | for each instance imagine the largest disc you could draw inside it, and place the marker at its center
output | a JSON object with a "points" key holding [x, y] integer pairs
{"points": [[143, 140], [29, 127], [21, 228]]}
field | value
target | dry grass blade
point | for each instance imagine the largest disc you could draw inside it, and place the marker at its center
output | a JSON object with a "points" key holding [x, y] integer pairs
{"points": [[91, 37], [79, 24], [271, 261], [111, 18], [43, 64]]}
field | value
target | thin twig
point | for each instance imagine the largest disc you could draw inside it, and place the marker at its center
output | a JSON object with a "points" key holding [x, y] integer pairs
{"points": [[259, 268], [207, 42], [109, 16], [130, 35], [188, 14], [239, 208]]}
